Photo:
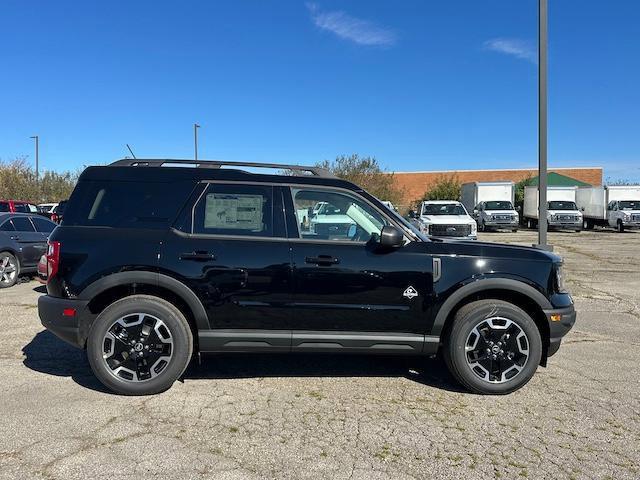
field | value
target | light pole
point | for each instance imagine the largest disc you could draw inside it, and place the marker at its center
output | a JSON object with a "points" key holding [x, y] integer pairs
{"points": [[542, 125], [37, 139], [195, 139]]}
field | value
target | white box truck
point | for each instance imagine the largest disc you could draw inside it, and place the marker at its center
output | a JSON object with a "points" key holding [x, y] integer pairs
{"points": [[562, 211], [491, 204], [616, 206]]}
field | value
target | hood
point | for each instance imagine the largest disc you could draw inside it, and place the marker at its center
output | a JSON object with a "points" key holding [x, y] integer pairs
{"points": [[448, 219], [489, 249]]}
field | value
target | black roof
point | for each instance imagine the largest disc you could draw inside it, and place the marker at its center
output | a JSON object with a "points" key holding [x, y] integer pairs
{"points": [[171, 170]]}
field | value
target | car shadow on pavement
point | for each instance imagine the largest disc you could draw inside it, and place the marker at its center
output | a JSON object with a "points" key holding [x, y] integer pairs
{"points": [[46, 353], [426, 371]]}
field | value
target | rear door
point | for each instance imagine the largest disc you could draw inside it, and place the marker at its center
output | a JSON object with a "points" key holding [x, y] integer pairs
{"points": [[230, 247], [32, 243], [344, 285]]}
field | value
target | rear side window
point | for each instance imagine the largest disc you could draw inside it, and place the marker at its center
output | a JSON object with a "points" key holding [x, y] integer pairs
{"points": [[239, 210], [125, 204], [22, 224], [21, 208], [42, 225]]}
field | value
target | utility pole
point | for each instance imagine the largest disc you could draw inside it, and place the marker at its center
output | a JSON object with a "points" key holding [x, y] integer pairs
{"points": [[37, 139], [542, 125], [195, 139]]}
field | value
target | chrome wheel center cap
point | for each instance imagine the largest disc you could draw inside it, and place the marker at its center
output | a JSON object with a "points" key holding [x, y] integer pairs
{"points": [[495, 349], [138, 347]]}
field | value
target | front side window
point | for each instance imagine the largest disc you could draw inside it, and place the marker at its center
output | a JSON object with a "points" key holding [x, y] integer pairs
{"points": [[330, 215], [7, 227], [43, 225], [244, 210], [21, 208]]}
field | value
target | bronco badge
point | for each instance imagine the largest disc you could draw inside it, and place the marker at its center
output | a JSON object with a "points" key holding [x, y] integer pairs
{"points": [[410, 292]]}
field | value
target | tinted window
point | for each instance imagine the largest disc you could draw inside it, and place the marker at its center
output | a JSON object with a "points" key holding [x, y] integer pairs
{"points": [[22, 224], [21, 208], [43, 225], [7, 227], [124, 204], [4, 207], [235, 210], [329, 215], [499, 205]]}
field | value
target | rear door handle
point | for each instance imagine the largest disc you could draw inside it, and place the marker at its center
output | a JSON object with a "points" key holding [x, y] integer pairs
{"points": [[322, 260], [15, 237], [197, 256]]}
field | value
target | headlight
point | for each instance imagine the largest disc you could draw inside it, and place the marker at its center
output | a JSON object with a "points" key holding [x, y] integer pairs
{"points": [[626, 216], [560, 287]]}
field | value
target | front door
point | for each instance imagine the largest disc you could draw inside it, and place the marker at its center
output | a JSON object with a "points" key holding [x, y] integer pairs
{"points": [[342, 281], [233, 253], [32, 243]]}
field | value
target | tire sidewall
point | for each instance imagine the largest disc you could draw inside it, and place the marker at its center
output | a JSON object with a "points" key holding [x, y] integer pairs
{"points": [[17, 263], [465, 325], [174, 321]]}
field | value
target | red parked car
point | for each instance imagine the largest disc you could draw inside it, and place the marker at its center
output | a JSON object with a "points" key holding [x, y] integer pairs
{"points": [[17, 206]]}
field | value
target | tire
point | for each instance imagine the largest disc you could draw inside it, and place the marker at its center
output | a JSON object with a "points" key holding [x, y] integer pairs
{"points": [[620, 227], [514, 230], [164, 324], [482, 227], [509, 320], [9, 269]]}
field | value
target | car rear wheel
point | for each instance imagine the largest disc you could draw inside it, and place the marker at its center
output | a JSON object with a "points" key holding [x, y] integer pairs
{"points": [[493, 347], [9, 270], [139, 345]]}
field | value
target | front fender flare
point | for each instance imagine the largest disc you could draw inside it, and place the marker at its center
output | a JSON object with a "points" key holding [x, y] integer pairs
{"points": [[482, 285]]}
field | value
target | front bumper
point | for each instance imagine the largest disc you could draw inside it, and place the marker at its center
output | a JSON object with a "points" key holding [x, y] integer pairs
{"points": [[68, 319], [631, 224], [561, 321], [564, 224]]}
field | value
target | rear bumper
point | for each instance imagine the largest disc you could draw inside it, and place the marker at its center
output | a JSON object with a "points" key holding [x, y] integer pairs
{"points": [[561, 321], [55, 315]]}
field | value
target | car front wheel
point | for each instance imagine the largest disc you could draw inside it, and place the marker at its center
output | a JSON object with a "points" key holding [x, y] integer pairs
{"points": [[9, 270], [494, 347], [139, 345]]}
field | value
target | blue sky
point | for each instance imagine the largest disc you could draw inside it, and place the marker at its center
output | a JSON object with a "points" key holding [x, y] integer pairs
{"points": [[421, 85]]}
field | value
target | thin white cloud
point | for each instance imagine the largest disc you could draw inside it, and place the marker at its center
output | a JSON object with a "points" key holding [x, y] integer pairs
{"points": [[514, 47], [362, 32]]}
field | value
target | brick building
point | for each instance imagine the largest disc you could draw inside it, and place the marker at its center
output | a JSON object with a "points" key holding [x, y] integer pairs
{"points": [[415, 184]]}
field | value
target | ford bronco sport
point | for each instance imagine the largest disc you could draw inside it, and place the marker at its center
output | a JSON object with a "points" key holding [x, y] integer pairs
{"points": [[155, 262]]}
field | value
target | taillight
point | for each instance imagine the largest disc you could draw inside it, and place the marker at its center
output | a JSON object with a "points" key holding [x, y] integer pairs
{"points": [[54, 217], [53, 259]]}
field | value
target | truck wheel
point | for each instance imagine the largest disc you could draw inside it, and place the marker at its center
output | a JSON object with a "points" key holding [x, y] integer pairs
{"points": [[481, 226], [139, 345], [9, 270], [494, 347], [514, 230], [620, 226]]}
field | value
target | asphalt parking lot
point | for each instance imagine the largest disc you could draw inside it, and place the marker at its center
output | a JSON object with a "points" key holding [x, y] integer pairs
{"points": [[340, 417]]}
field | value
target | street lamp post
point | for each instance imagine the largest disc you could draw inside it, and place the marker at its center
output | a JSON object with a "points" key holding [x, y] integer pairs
{"points": [[37, 139], [195, 140], [542, 125]]}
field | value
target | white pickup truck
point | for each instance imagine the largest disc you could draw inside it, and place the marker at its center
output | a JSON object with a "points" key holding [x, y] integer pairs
{"points": [[445, 218]]}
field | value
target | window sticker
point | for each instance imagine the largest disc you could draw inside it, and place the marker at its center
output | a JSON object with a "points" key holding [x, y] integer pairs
{"points": [[233, 211]]}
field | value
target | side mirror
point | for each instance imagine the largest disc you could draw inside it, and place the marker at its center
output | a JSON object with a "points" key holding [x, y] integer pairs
{"points": [[412, 214], [582, 209], [475, 211], [391, 237], [519, 208]]}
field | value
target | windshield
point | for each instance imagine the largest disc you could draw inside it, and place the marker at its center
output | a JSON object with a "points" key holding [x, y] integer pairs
{"points": [[502, 205], [557, 205], [629, 205], [443, 209]]}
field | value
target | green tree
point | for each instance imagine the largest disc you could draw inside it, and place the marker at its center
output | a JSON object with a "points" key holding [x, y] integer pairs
{"points": [[519, 191], [18, 182], [446, 187], [366, 173]]}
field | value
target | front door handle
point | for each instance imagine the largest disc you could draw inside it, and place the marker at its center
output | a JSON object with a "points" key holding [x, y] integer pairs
{"points": [[198, 256], [15, 237], [322, 260]]}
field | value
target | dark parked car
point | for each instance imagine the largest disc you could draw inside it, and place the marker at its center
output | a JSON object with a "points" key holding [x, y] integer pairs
{"points": [[155, 263], [23, 240]]}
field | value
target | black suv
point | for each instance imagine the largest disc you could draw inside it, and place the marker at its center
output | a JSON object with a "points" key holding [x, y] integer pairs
{"points": [[155, 262]]}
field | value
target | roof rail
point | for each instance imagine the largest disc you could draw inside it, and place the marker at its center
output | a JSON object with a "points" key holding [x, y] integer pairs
{"points": [[295, 169]]}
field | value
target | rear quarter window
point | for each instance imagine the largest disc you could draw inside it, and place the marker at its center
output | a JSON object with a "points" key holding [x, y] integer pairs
{"points": [[126, 204]]}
